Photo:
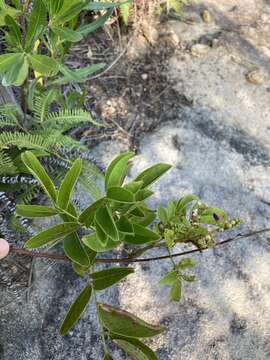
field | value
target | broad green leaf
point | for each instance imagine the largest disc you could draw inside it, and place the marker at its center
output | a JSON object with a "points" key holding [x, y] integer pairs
{"points": [[185, 201], [171, 209], [124, 226], [143, 194], [152, 174], [88, 214], [147, 219], [36, 24], [94, 244], [134, 348], [74, 250], [17, 72], [54, 233], [105, 220], [76, 310], [54, 6], [71, 75], [108, 277], [141, 235], [176, 291], [67, 34], [117, 170], [134, 186], [67, 13], [15, 31], [120, 194], [213, 216], [37, 170], [7, 60], [87, 29], [162, 214], [101, 235], [124, 323], [33, 211], [68, 184], [169, 279], [44, 65]]}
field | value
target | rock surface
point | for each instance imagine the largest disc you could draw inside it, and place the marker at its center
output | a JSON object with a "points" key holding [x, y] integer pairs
{"points": [[220, 150]]}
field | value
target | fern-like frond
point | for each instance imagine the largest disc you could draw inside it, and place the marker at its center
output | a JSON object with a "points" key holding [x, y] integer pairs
{"points": [[67, 119], [23, 140], [42, 104], [7, 166], [8, 115]]}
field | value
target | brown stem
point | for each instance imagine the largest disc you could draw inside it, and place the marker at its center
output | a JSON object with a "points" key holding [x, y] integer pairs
{"points": [[130, 260]]}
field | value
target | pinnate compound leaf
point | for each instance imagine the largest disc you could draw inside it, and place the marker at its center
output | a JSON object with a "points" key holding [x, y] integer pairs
{"points": [[152, 174], [38, 171], [35, 211], [124, 323], [75, 251], [136, 349], [108, 277], [68, 184], [56, 232], [76, 310], [105, 220], [117, 170]]}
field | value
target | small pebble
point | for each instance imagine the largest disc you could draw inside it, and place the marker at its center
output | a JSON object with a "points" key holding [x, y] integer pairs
{"points": [[144, 76], [206, 16], [4, 248], [256, 77], [199, 50]]}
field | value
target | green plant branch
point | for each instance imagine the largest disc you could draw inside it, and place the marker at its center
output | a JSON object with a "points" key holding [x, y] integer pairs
{"points": [[57, 257]]}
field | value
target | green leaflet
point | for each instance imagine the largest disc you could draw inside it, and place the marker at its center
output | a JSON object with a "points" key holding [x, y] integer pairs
{"points": [[125, 226], [117, 170], [108, 277], [105, 220], [67, 34], [67, 13], [80, 74], [124, 323], [75, 251], [44, 64], [37, 170], [141, 235], [162, 214], [88, 214], [184, 202], [34, 211], [134, 186], [96, 6], [17, 72], [92, 242], [176, 291], [152, 174], [36, 24], [76, 310], [169, 279], [101, 235], [120, 194], [54, 233], [15, 31], [87, 29], [136, 349], [143, 194], [68, 184], [7, 60]]}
